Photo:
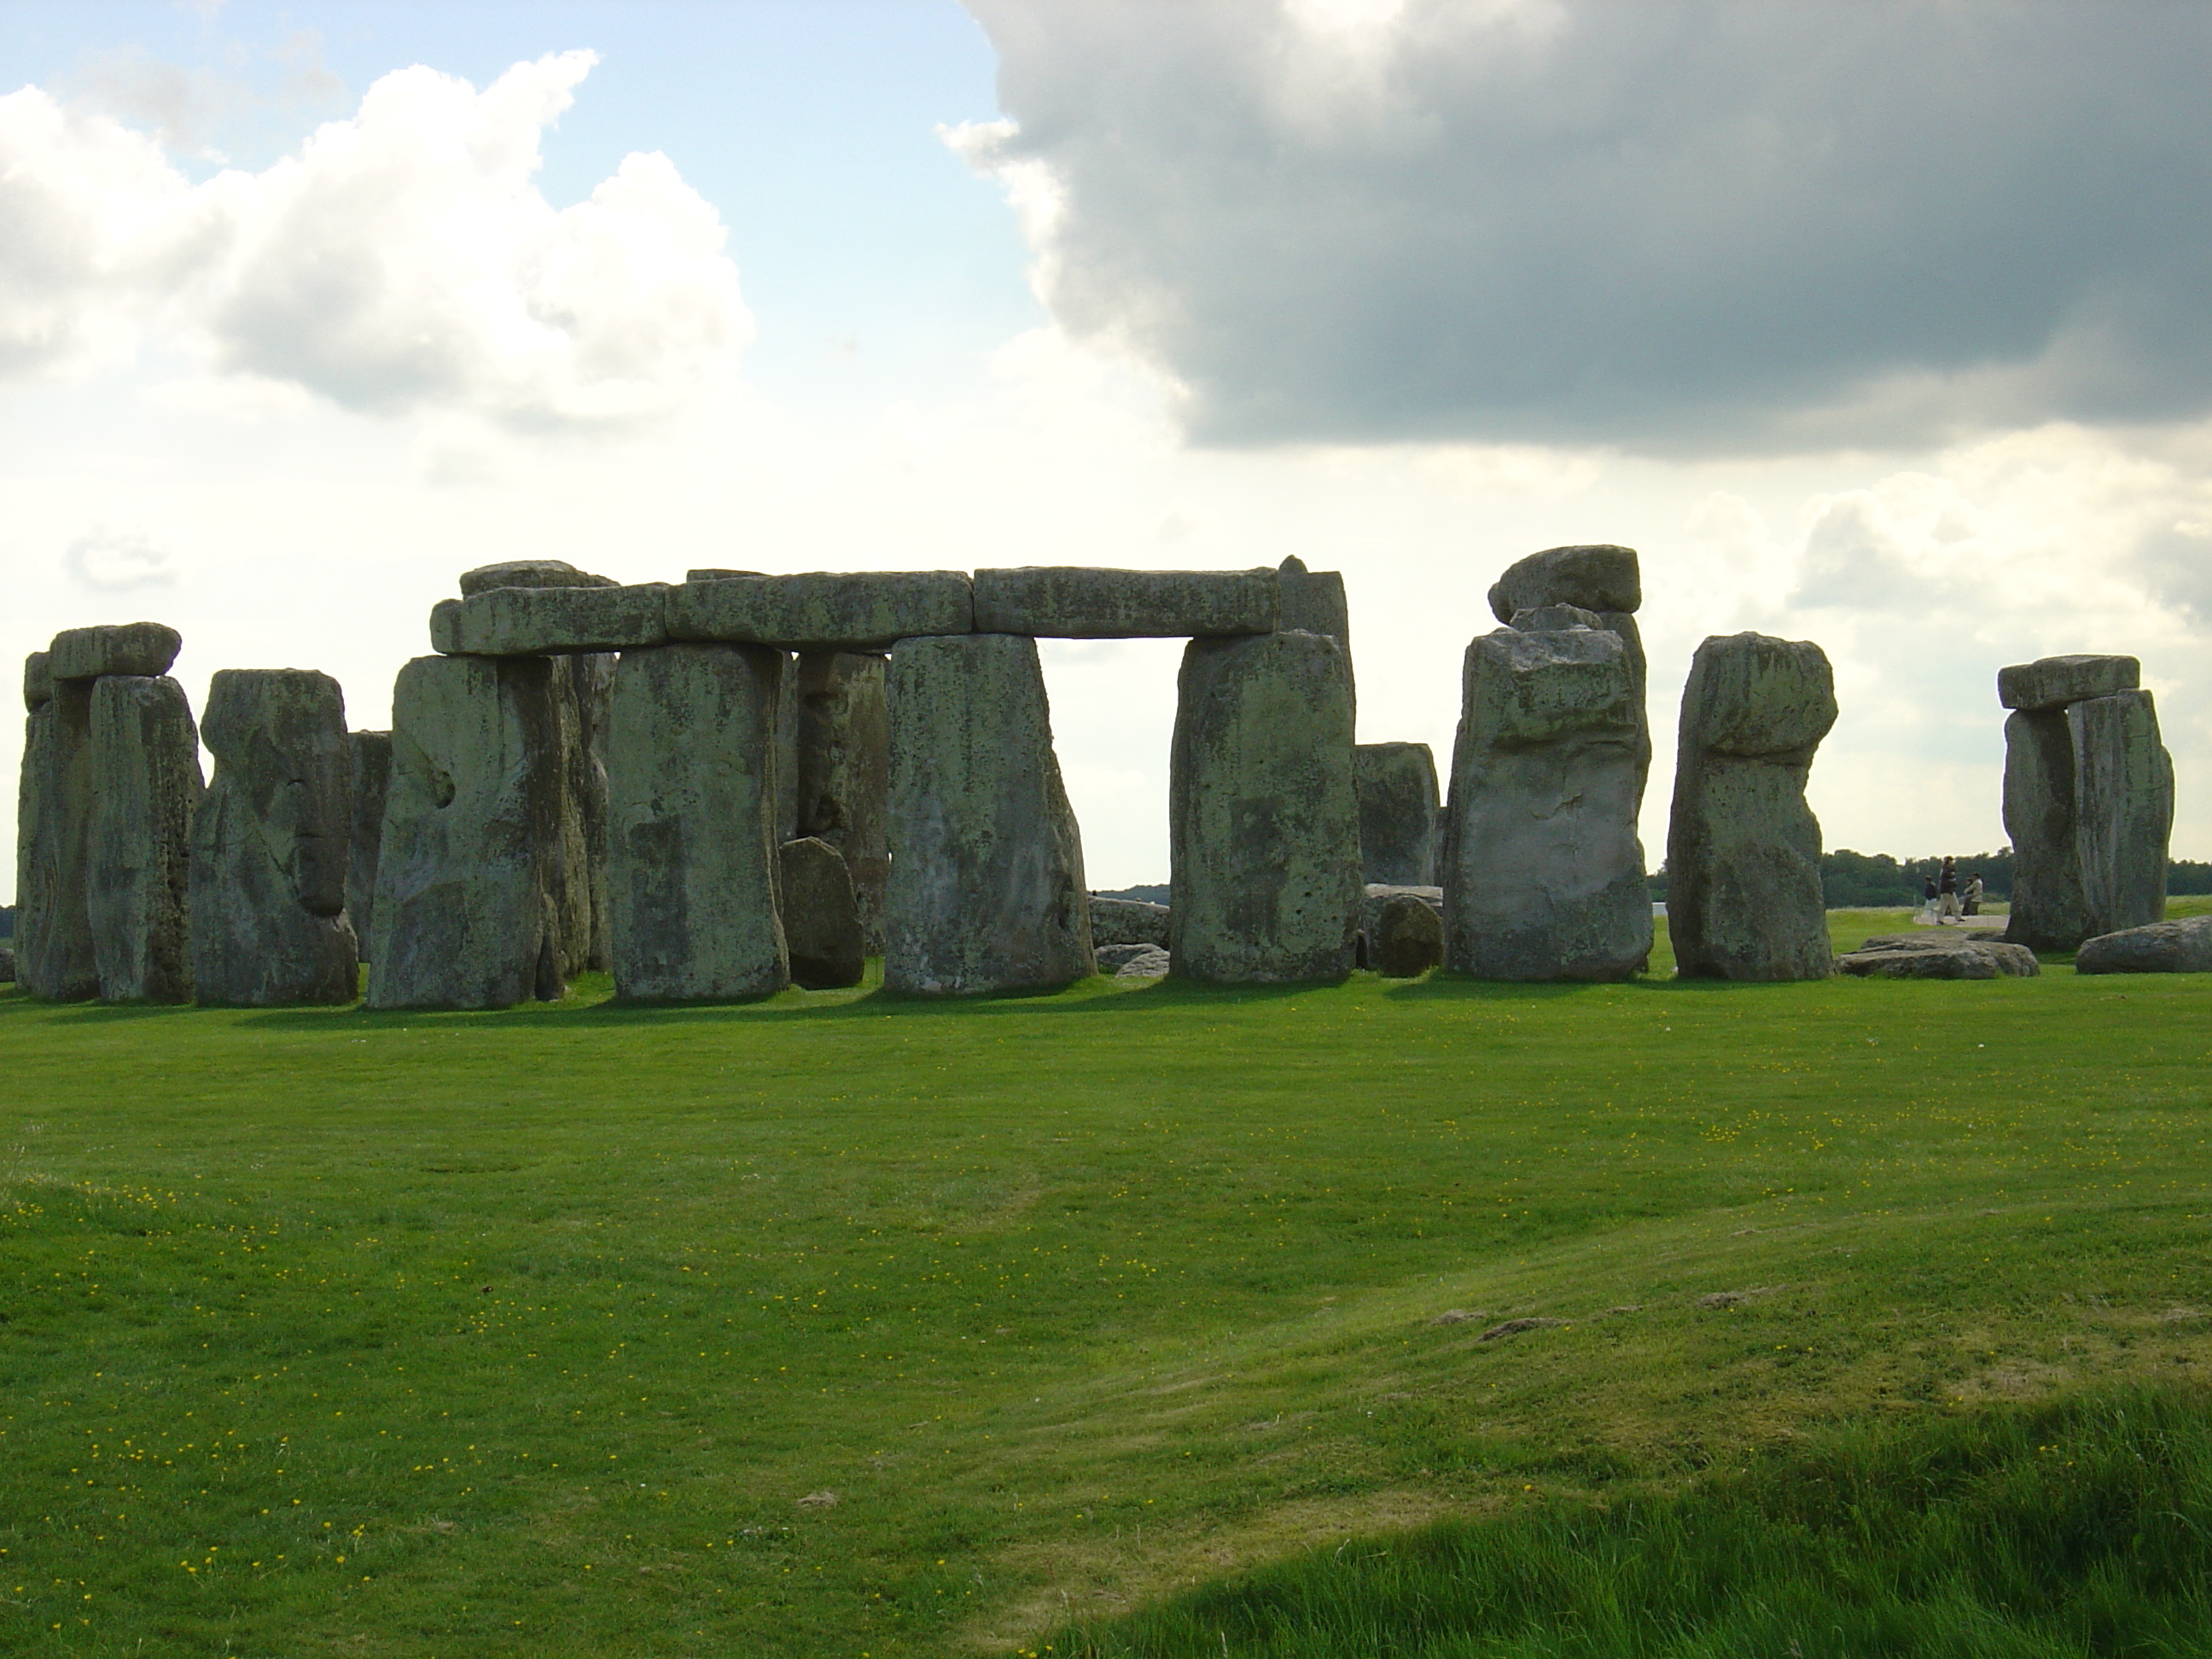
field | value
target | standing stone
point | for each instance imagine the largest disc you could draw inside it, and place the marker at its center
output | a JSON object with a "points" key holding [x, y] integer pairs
{"points": [[2047, 912], [1313, 602], [273, 843], [985, 891], [844, 772], [145, 785], [786, 749], [372, 782], [1406, 938], [1598, 578], [690, 848], [2122, 809], [1263, 823], [592, 684], [469, 878], [1396, 786], [53, 819], [821, 919], [1543, 873], [1743, 850]]}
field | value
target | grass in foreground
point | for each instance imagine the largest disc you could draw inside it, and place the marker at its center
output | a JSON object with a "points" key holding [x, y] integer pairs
{"points": [[839, 1325], [2081, 1529]]}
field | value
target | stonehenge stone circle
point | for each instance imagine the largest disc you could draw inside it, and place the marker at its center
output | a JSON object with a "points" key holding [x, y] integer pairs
{"points": [[272, 844], [859, 610], [843, 772], [821, 919], [145, 786], [143, 650], [692, 849], [2088, 800], [53, 822], [372, 782], [512, 622], [1543, 873], [2161, 947], [1396, 784], [470, 878], [1263, 824], [1075, 602], [1127, 921], [1601, 579], [985, 891], [1406, 938], [1744, 899]]}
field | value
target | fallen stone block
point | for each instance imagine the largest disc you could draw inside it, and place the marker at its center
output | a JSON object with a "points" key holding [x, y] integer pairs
{"points": [[1406, 938], [1126, 922], [142, 649], [1079, 602], [859, 610], [516, 622], [2053, 682], [1148, 962], [2161, 947]]}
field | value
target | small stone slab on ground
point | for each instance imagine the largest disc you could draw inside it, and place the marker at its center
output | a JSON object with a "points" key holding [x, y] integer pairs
{"points": [[2161, 947], [1945, 953]]}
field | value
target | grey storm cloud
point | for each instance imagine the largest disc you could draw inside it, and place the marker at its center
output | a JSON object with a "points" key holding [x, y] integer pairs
{"points": [[1680, 227]]}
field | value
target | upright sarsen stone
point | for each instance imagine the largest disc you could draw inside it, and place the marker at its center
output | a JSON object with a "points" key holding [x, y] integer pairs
{"points": [[469, 879], [2047, 912], [372, 782], [1396, 787], [844, 743], [986, 890], [1600, 578], [691, 883], [145, 785], [1263, 823], [2122, 809], [54, 820], [1543, 874], [1313, 602], [821, 921], [1743, 850], [273, 843]]}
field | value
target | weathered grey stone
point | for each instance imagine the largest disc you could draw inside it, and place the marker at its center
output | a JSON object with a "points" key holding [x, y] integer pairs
{"points": [[787, 749], [1313, 602], [470, 876], [859, 610], [1377, 894], [691, 850], [2122, 809], [1555, 619], [1877, 957], [145, 785], [371, 753], [273, 843], [1597, 576], [986, 890], [7, 966], [1543, 874], [1111, 957], [2053, 682], [844, 740], [142, 649], [2161, 947], [512, 622], [1396, 784], [1743, 850], [821, 919], [1406, 938], [718, 575], [37, 680], [1263, 821], [528, 572], [2047, 911], [590, 685], [1127, 921], [1146, 962], [1077, 602], [53, 823]]}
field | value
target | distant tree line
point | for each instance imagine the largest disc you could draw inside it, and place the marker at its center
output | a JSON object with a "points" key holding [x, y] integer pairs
{"points": [[1848, 879]]}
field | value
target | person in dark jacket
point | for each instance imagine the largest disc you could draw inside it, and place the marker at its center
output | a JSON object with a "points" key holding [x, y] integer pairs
{"points": [[1946, 888]]}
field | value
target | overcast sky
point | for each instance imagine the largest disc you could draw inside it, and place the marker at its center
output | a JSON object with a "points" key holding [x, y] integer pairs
{"points": [[1879, 324]]}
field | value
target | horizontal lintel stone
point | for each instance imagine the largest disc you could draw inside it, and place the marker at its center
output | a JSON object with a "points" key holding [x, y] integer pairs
{"points": [[1077, 602], [144, 648], [824, 610], [2055, 681], [538, 622]]}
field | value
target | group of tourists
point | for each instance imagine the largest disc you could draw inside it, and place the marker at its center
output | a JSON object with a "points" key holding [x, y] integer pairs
{"points": [[1946, 899]]}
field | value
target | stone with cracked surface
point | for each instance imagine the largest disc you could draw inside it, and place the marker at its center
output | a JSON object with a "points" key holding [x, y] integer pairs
{"points": [[144, 650], [1396, 784], [510, 621], [2161, 947], [53, 822], [824, 610], [145, 787]]}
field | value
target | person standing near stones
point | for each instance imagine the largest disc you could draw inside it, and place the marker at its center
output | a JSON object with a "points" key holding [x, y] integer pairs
{"points": [[1928, 897], [1970, 897], [1946, 888]]}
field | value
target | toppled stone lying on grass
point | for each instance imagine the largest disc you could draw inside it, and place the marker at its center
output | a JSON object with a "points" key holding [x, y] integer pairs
{"points": [[1148, 962], [1406, 938], [1120, 921], [2161, 947], [1111, 957], [1947, 953], [1514, 1327]]}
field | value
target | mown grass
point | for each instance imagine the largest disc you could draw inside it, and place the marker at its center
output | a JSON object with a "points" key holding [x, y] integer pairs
{"points": [[547, 1332]]}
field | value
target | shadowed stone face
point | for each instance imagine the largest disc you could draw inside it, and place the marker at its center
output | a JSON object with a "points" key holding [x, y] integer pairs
{"points": [[273, 843], [371, 780], [145, 784], [821, 922], [844, 758], [691, 825], [1743, 850], [986, 890], [1543, 871], [1263, 821], [53, 822], [469, 877], [144, 650], [2122, 809], [1396, 787], [2047, 912]]}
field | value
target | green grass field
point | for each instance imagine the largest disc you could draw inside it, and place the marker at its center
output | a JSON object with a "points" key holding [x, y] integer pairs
{"points": [[839, 1325]]}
